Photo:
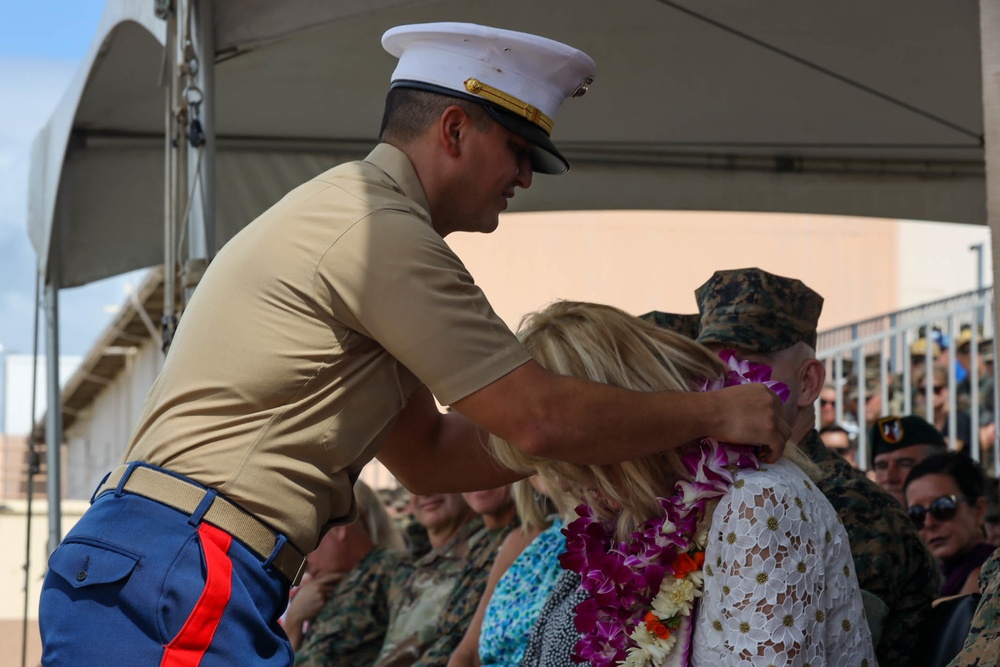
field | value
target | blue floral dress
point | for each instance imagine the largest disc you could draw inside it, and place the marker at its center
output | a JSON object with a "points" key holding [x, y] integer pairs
{"points": [[518, 599]]}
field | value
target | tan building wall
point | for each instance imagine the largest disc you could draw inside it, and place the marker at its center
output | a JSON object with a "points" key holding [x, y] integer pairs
{"points": [[654, 260], [14, 531]]}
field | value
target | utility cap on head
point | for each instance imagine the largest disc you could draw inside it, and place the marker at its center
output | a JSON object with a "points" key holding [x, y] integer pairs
{"points": [[757, 311], [965, 337], [520, 79], [919, 348], [685, 325], [891, 433]]}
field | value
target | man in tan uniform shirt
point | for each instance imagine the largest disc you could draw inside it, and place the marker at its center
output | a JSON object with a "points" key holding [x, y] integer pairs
{"points": [[316, 340]]}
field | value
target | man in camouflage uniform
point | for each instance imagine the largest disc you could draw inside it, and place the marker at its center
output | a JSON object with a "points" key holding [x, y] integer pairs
{"points": [[772, 320], [982, 646], [438, 599], [350, 629]]}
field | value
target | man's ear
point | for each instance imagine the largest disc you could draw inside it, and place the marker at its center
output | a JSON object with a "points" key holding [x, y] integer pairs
{"points": [[812, 376], [452, 123]]}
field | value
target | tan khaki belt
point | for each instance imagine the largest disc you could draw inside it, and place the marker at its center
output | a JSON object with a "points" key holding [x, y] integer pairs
{"points": [[186, 497]]}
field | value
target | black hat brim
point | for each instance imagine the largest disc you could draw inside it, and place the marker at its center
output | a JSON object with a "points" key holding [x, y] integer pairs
{"points": [[545, 157]]}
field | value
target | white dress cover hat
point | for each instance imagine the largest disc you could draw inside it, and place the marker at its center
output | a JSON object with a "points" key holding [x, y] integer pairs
{"points": [[520, 79]]}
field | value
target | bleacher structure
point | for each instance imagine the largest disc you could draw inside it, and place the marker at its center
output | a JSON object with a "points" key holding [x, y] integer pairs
{"points": [[883, 347]]}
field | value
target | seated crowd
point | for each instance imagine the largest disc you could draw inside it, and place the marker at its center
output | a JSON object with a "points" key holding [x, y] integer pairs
{"points": [[699, 556]]}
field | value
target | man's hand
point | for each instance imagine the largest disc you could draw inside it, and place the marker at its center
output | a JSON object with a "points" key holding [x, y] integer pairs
{"points": [[752, 414]]}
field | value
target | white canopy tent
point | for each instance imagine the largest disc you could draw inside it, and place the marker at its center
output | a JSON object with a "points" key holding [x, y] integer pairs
{"points": [[847, 108]]}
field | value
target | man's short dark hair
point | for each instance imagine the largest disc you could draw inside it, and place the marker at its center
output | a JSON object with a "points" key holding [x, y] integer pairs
{"points": [[409, 112]]}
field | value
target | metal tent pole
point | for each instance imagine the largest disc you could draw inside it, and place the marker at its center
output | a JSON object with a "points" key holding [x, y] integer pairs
{"points": [[197, 50], [170, 136], [53, 413], [32, 471], [989, 42]]}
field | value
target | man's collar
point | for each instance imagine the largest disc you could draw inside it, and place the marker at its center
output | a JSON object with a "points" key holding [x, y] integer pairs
{"points": [[397, 165], [813, 447]]}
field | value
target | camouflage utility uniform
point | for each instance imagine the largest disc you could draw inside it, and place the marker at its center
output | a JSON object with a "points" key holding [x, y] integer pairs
{"points": [[982, 646], [350, 629], [464, 598], [890, 560], [438, 599]]}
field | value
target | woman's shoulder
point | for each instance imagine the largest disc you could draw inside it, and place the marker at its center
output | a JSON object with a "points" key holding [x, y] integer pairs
{"points": [[778, 489], [780, 477]]}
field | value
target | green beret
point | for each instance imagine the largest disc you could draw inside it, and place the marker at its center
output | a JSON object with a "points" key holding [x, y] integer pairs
{"points": [[891, 433], [685, 325], [757, 311]]}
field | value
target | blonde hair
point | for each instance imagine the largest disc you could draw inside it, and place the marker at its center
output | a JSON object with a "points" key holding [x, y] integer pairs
{"points": [[380, 527], [532, 507], [604, 344], [535, 509]]}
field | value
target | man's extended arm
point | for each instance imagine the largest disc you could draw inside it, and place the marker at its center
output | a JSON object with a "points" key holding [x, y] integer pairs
{"points": [[569, 419]]}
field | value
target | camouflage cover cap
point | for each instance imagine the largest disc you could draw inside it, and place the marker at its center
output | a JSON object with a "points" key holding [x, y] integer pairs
{"points": [[685, 325], [757, 311], [891, 433]]}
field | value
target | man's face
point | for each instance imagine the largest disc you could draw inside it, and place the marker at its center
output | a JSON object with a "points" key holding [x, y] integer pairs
{"points": [[892, 468], [873, 407], [438, 510], [495, 162], [827, 406], [839, 442], [783, 369]]}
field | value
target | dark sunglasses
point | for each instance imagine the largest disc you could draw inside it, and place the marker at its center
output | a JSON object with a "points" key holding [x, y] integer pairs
{"points": [[823, 401], [942, 509]]}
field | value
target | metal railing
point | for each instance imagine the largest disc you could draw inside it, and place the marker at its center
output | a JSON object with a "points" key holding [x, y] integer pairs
{"points": [[880, 352]]}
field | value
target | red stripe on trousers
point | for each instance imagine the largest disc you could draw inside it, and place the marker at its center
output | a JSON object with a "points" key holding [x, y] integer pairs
{"points": [[190, 644]]}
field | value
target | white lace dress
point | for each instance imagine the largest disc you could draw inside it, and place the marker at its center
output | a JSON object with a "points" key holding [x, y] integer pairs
{"points": [[780, 587]]}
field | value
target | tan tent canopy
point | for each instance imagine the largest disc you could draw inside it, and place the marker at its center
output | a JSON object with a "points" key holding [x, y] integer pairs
{"points": [[789, 105]]}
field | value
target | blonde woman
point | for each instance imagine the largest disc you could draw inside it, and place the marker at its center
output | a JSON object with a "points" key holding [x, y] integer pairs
{"points": [[699, 556]]}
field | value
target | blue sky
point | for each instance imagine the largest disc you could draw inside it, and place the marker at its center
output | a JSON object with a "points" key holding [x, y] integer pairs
{"points": [[42, 43]]}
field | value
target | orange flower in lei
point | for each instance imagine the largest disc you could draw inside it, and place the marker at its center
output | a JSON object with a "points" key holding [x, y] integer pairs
{"points": [[656, 626], [686, 563]]}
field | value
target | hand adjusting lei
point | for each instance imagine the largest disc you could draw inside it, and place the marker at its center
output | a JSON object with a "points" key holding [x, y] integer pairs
{"points": [[643, 591]]}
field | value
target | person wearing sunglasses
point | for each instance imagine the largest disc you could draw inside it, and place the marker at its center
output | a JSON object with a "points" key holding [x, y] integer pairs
{"points": [[945, 499]]}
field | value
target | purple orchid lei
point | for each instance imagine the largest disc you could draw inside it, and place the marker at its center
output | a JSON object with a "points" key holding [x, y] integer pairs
{"points": [[625, 579]]}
